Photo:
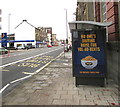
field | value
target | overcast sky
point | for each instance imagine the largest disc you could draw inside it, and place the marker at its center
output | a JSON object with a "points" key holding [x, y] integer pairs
{"points": [[50, 13]]}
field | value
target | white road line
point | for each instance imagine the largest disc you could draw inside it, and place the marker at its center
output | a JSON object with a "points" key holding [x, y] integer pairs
{"points": [[20, 79], [27, 58], [5, 70], [4, 88], [27, 73]]}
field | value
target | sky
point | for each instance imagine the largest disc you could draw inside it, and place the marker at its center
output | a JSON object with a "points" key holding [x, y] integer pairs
{"points": [[40, 13]]}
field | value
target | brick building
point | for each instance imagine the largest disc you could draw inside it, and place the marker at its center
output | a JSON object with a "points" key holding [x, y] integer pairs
{"points": [[84, 11], [106, 11], [109, 11], [101, 12]]}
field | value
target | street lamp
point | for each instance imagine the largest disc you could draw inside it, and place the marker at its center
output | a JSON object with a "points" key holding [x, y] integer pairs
{"points": [[9, 23], [66, 30]]}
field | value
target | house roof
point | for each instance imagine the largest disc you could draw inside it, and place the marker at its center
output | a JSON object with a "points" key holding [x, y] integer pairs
{"points": [[25, 22]]}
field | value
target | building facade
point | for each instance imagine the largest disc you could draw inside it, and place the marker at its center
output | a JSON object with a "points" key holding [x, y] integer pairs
{"points": [[54, 39], [84, 11], [36, 36], [49, 35], [24, 34], [108, 12], [11, 37], [27, 34], [40, 36]]}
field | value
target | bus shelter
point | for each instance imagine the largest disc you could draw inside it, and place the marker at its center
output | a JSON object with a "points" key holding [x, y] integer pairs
{"points": [[89, 52]]}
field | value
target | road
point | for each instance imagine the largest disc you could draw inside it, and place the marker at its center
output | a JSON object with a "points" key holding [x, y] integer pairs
{"points": [[23, 64]]}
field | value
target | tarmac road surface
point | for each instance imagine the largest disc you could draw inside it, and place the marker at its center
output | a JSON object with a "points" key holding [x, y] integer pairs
{"points": [[17, 68]]}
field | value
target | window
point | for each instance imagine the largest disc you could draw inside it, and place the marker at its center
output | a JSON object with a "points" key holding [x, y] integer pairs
{"points": [[103, 11]]}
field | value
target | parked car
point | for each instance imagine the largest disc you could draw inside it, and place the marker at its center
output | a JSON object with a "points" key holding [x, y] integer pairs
{"points": [[33, 46], [21, 47], [49, 45], [26, 47], [3, 51], [29, 46]]}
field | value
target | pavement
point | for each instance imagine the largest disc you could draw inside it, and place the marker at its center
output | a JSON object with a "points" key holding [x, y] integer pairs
{"points": [[55, 85]]}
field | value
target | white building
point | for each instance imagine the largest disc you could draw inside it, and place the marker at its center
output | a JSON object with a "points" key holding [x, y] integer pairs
{"points": [[49, 35], [24, 34]]}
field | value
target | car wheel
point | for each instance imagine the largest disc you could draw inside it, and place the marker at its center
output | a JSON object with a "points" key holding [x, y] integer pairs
{"points": [[6, 52]]}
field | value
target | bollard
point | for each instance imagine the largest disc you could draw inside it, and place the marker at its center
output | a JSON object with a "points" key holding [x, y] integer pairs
{"points": [[9, 53]]}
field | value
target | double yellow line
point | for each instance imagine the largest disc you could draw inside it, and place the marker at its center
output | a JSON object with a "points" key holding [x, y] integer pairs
{"points": [[44, 65]]}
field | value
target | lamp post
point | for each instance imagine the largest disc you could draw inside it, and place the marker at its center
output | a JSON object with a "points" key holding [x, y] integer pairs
{"points": [[66, 30], [9, 23]]}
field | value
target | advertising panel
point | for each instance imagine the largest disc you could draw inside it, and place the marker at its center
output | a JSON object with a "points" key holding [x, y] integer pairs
{"points": [[89, 53], [4, 39]]}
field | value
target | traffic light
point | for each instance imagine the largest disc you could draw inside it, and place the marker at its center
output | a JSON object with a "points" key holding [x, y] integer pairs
{"points": [[67, 41]]}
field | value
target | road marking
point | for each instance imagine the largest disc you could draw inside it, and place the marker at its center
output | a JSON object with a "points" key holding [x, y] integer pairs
{"points": [[5, 70], [36, 70], [27, 58], [44, 65], [48, 63], [32, 65], [30, 74], [27, 73], [4, 88], [65, 63], [20, 79]]}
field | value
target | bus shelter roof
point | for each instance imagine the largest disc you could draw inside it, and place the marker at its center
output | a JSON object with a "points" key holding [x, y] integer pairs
{"points": [[100, 24]]}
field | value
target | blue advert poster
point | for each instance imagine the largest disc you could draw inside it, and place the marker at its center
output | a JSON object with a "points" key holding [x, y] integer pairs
{"points": [[89, 53], [4, 39]]}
